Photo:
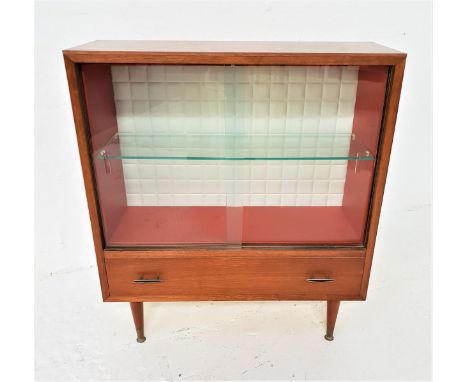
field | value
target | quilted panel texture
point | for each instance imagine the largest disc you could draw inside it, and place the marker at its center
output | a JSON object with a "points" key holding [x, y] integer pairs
{"points": [[158, 99]]}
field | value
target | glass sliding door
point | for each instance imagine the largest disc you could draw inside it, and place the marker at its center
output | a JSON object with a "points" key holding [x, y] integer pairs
{"points": [[234, 155]]}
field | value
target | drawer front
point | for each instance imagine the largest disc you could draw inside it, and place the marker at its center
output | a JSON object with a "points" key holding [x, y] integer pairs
{"points": [[227, 278]]}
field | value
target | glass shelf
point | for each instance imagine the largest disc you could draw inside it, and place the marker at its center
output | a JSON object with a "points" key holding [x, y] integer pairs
{"points": [[238, 147]]}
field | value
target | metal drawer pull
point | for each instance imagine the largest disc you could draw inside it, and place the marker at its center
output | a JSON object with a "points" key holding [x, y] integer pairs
{"points": [[319, 280], [147, 281]]}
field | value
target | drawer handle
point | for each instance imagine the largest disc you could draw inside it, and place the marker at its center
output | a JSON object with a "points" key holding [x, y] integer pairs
{"points": [[142, 280], [320, 280]]}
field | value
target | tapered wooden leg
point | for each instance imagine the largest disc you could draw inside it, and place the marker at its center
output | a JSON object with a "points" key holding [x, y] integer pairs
{"points": [[332, 312], [137, 312]]}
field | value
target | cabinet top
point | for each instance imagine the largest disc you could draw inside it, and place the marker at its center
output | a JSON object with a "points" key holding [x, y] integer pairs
{"points": [[234, 53], [234, 47]]}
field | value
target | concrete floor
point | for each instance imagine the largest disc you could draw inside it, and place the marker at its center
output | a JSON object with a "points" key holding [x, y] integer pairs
{"points": [[387, 337]]}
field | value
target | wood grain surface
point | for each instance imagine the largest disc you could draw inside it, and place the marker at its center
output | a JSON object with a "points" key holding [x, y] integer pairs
{"points": [[227, 278], [234, 52]]}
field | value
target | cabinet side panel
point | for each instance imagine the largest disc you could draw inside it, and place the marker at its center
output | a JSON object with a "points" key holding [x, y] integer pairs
{"points": [[80, 118], [389, 121], [99, 97], [370, 100]]}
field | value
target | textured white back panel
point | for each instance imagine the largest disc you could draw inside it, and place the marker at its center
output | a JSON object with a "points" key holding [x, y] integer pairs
{"points": [[242, 100]]}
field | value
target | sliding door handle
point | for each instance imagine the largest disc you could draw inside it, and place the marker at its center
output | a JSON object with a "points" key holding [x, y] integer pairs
{"points": [[142, 280], [319, 280]]}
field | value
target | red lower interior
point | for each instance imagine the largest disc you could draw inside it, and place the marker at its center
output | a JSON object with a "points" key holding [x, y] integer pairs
{"points": [[145, 226]]}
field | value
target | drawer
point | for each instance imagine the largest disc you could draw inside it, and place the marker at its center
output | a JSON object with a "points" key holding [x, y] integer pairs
{"points": [[231, 278]]}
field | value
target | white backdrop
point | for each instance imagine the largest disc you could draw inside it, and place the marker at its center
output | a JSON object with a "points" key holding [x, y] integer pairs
{"points": [[78, 337]]}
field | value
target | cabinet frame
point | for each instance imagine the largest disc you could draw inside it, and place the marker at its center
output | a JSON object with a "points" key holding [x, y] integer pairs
{"points": [[236, 53]]}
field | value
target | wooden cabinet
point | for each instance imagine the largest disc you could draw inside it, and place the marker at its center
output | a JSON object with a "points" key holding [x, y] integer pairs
{"points": [[234, 170]]}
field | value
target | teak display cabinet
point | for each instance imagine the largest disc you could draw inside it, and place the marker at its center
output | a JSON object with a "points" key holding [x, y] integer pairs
{"points": [[234, 170]]}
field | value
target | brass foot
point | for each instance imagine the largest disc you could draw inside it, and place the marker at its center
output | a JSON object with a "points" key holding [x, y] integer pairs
{"points": [[329, 338], [141, 338]]}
